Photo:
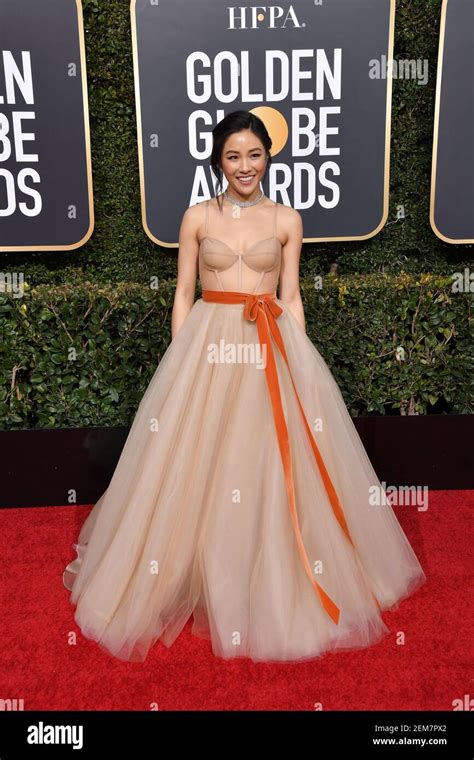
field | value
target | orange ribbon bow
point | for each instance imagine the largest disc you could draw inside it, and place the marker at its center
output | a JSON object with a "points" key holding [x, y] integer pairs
{"points": [[263, 309]]}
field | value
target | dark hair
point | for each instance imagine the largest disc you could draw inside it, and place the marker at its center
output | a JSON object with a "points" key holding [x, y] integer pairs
{"points": [[235, 122]]}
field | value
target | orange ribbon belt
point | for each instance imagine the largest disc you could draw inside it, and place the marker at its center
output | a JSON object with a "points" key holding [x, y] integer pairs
{"points": [[263, 309]]}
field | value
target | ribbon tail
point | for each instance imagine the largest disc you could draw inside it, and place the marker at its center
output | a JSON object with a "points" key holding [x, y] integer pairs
{"points": [[330, 490], [283, 441]]}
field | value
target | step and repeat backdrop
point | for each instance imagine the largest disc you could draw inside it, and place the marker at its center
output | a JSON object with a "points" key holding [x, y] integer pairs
{"points": [[46, 200], [318, 74], [452, 182], [313, 73]]}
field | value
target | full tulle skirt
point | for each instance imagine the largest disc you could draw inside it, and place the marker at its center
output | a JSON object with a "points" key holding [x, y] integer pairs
{"points": [[195, 520]]}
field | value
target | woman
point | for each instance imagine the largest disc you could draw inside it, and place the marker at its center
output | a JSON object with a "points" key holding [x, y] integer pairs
{"points": [[242, 494]]}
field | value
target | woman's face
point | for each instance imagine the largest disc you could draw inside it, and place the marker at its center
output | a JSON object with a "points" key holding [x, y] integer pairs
{"points": [[243, 162]]}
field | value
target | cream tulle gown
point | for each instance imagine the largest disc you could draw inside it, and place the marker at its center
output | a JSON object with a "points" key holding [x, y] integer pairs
{"points": [[222, 508]]}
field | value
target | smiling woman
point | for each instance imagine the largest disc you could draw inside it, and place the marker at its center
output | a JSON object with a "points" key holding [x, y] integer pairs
{"points": [[244, 163], [231, 508], [243, 156]]}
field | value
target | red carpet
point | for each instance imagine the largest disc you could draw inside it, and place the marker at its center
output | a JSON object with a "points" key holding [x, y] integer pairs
{"points": [[42, 667]]}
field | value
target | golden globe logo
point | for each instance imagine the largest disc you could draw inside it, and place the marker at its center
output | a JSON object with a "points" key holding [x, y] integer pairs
{"points": [[270, 16]]}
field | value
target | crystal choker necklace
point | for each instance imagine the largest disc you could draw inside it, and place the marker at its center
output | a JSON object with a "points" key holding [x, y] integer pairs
{"points": [[243, 204]]}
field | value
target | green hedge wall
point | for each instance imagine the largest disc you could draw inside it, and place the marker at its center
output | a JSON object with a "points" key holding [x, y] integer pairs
{"points": [[84, 355]]}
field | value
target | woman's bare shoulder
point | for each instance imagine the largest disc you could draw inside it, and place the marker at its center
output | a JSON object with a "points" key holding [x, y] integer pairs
{"points": [[194, 215], [289, 213], [196, 209], [290, 220]]}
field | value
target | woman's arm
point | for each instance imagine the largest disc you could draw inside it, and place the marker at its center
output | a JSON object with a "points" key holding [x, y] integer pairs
{"points": [[187, 267], [289, 290]]}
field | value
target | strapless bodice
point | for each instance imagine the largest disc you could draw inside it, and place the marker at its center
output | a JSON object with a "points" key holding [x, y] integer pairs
{"points": [[261, 256], [235, 270]]}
